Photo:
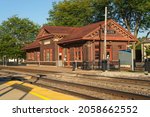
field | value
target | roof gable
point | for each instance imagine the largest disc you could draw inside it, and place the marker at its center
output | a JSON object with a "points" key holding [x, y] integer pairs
{"points": [[80, 32], [114, 32], [122, 31], [50, 31], [91, 32], [42, 33]]}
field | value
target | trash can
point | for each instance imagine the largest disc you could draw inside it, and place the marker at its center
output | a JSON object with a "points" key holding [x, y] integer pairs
{"points": [[147, 65], [84, 65], [89, 66], [104, 65]]}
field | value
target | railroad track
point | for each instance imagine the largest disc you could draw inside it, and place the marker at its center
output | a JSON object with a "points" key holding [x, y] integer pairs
{"points": [[90, 91], [84, 91], [111, 80], [98, 78]]}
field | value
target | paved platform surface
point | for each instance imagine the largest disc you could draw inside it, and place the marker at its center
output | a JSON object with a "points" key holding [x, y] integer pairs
{"points": [[16, 90], [89, 72]]}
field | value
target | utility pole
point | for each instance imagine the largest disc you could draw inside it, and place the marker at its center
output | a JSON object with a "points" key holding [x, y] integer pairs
{"points": [[133, 56], [105, 33], [104, 61], [100, 38]]}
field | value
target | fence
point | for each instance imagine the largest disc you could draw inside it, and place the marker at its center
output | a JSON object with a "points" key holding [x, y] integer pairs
{"points": [[110, 65], [11, 63], [85, 65]]}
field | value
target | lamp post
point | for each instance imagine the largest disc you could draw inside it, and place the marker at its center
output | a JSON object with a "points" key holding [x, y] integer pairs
{"points": [[4, 61]]}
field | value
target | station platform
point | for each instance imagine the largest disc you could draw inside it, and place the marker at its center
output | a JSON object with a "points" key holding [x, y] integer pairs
{"points": [[16, 90], [64, 70]]}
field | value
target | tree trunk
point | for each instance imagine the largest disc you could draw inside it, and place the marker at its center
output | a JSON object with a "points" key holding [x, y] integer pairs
{"points": [[137, 25], [136, 32], [127, 25]]}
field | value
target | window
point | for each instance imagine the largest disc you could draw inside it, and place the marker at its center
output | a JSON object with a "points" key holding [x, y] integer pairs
{"points": [[32, 55], [119, 47], [60, 53], [44, 55], [28, 56], [51, 55], [35, 57], [78, 53], [97, 54], [97, 51], [47, 56], [97, 46], [38, 56], [108, 46], [68, 54]]}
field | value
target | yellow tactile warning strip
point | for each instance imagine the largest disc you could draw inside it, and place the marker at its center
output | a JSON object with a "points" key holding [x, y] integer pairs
{"points": [[42, 93]]}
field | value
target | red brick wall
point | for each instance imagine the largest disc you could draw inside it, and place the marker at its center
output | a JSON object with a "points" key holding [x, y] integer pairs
{"points": [[51, 48], [115, 46]]}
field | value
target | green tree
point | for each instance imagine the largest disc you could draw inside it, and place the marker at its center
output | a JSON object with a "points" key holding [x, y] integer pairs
{"points": [[14, 34], [76, 12], [134, 15]]}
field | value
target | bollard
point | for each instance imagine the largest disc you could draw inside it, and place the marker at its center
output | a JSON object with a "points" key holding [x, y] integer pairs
{"points": [[73, 66]]}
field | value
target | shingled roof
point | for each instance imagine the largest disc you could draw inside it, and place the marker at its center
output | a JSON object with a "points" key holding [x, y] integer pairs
{"points": [[33, 45], [59, 29], [72, 33], [80, 32]]}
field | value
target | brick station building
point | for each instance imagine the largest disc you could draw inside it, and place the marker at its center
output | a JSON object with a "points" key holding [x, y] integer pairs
{"points": [[61, 46]]}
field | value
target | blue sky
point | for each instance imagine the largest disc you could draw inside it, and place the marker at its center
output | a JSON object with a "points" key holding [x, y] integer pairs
{"points": [[35, 10]]}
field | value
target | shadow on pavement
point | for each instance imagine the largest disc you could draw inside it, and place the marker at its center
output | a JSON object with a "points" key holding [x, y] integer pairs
{"points": [[16, 86]]}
